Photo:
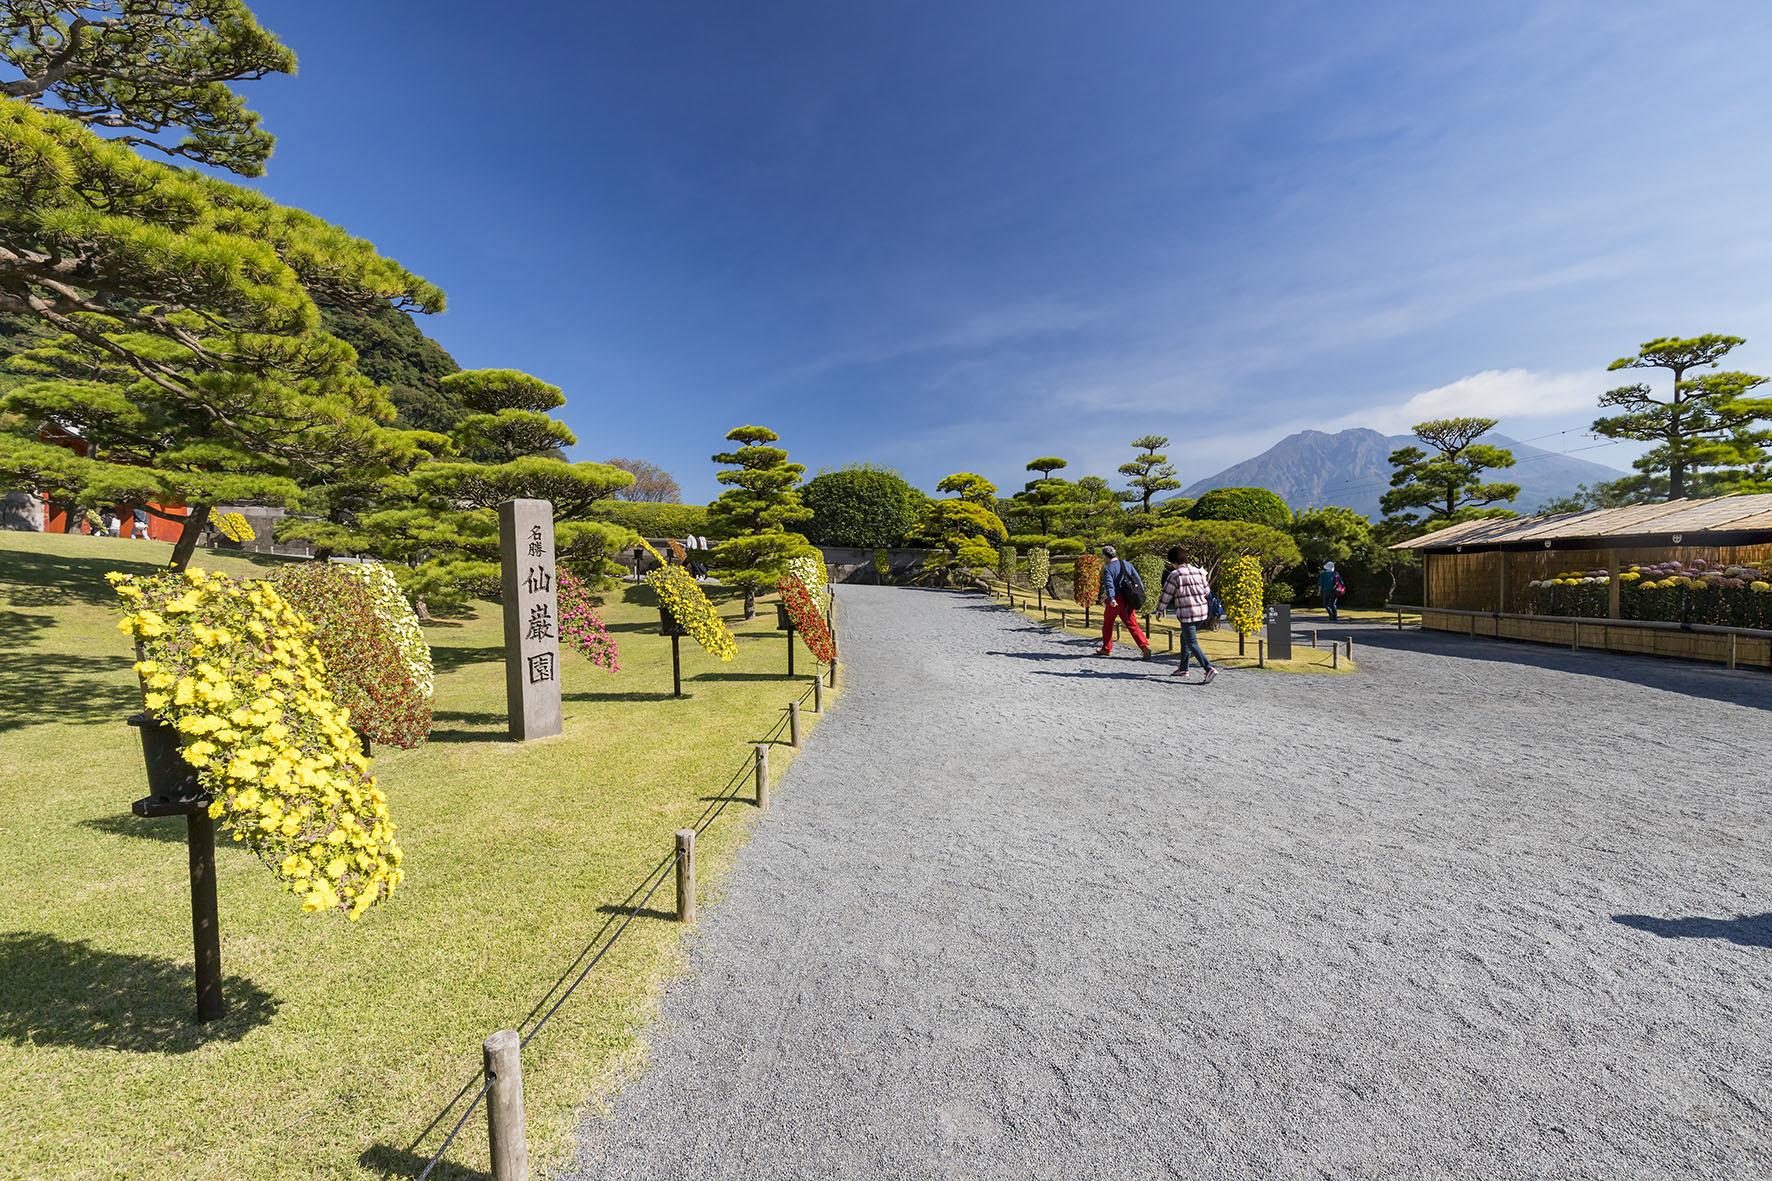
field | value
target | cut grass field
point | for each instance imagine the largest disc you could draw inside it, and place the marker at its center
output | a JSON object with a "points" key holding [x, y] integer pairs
{"points": [[342, 1041], [1220, 646]]}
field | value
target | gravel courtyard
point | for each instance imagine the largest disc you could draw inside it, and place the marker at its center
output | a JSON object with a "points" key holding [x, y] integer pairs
{"points": [[1482, 910]]}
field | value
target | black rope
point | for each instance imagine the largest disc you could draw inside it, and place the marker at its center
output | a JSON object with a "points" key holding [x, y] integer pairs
{"points": [[455, 1131]]}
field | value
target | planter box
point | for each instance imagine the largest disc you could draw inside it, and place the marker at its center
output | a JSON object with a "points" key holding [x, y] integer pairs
{"points": [[667, 623]]}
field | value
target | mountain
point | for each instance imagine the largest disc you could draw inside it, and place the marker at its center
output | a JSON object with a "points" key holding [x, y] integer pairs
{"points": [[1352, 468]]}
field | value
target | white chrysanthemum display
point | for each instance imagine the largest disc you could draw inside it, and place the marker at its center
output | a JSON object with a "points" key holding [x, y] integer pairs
{"points": [[393, 609]]}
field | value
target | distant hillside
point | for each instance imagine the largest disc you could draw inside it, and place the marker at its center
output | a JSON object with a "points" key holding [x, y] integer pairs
{"points": [[1352, 468]]}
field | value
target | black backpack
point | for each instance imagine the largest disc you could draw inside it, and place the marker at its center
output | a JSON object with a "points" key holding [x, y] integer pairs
{"points": [[1128, 588]]}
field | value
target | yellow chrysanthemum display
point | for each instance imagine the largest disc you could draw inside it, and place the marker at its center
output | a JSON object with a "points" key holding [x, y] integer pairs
{"points": [[682, 596], [233, 526], [228, 664]]}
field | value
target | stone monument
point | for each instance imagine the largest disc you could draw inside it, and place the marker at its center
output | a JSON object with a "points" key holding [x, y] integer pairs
{"points": [[532, 618], [1279, 631]]}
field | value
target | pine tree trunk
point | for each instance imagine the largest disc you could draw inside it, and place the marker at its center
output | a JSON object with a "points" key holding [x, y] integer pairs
{"points": [[187, 538], [421, 610], [750, 602]]}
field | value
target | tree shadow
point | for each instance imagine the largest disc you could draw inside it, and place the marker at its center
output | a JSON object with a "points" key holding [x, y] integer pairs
{"points": [[20, 628], [1746, 930], [60, 580], [1037, 655], [780, 676], [447, 736], [55, 687], [73, 994], [448, 658], [388, 1161], [635, 695]]}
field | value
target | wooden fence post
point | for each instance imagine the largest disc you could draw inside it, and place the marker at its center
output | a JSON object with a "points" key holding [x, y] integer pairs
{"points": [[1260, 652], [685, 875], [817, 695], [1334, 656], [1399, 621], [762, 775], [833, 674], [1313, 637], [794, 723], [504, 1107], [1350, 647]]}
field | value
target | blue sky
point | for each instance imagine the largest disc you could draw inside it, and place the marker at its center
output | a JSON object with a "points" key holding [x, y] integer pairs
{"points": [[956, 236]]}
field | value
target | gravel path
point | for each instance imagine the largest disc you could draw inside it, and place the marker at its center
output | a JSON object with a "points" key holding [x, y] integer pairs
{"points": [[1484, 910]]}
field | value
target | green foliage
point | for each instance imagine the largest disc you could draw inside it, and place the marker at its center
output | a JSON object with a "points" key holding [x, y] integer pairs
{"points": [[1039, 567], [1444, 484], [1150, 570], [1606, 494], [653, 519], [1006, 558], [865, 507], [1258, 506], [147, 68], [1337, 534], [1095, 515], [1046, 465], [1213, 545], [182, 332], [1044, 504], [882, 565], [1150, 472], [1709, 434], [752, 515], [393, 352], [1067, 545], [969, 486], [1241, 594]]}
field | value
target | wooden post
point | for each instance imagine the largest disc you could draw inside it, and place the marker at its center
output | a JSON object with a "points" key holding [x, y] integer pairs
{"points": [[1350, 647], [1171, 634], [685, 875], [1242, 650], [504, 1107], [205, 919], [833, 674], [1614, 591], [794, 724], [1334, 656], [1313, 637], [1260, 652], [1399, 620], [762, 775], [817, 694]]}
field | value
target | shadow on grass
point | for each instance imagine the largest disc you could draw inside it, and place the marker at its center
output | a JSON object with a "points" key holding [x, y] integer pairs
{"points": [[55, 687], [780, 676], [59, 580], [640, 912], [169, 830], [448, 658], [70, 993], [384, 1160], [1745, 930], [447, 736], [633, 695]]}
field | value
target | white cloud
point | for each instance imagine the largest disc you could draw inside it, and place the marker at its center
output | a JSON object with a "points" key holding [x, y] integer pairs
{"points": [[1494, 393]]}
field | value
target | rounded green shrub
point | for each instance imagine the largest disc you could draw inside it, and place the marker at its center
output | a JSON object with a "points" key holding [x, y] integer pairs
{"points": [[1258, 506]]}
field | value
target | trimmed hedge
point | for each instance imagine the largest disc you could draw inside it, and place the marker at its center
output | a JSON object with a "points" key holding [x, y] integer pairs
{"points": [[651, 519], [1258, 506]]}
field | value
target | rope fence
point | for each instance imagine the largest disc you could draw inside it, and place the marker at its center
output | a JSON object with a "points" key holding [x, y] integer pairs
{"points": [[501, 1071]]}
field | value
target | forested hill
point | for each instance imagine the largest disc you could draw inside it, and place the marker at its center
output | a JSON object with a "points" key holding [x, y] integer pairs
{"points": [[391, 350]]}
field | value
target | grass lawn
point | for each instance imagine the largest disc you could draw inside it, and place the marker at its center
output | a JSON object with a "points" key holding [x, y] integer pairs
{"points": [[342, 1041], [1220, 646]]}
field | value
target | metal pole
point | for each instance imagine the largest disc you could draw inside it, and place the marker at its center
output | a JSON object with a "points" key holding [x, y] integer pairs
{"points": [[790, 647], [685, 875], [794, 724], [504, 1107], [205, 923], [1399, 621], [762, 775], [676, 668]]}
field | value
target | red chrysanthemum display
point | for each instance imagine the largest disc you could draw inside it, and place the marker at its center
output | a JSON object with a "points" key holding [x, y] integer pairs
{"points": [[807, 619]]}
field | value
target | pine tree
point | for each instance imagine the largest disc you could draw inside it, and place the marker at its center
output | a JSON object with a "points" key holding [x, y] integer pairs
{"points": [[751, 517], [1446, 481], [1150, 472], [1708, 422], [439, 524], [183, 337]]}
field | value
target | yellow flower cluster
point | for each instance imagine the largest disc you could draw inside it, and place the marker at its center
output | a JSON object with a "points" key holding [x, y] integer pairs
{"points": [[682, 596], [233, 526], [228, 663], [1242, 595]]}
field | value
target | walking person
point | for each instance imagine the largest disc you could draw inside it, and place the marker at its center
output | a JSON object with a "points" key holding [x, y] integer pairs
{"points": [[1122, 594], [140, 522], [1331, 587], [1188, 592]]}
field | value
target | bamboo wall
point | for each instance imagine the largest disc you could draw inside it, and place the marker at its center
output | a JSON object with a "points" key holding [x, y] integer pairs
{"points": [[1710, 647]]}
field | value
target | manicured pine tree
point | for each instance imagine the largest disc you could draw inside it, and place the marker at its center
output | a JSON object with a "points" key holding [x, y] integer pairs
{"points": [[751, 516], [1150, 472], [963, 529], [1445, 481], [1708, 433]]}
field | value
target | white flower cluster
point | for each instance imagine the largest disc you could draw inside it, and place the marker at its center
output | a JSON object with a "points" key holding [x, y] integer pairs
{"points": [[810, 570], [402, 622]]}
